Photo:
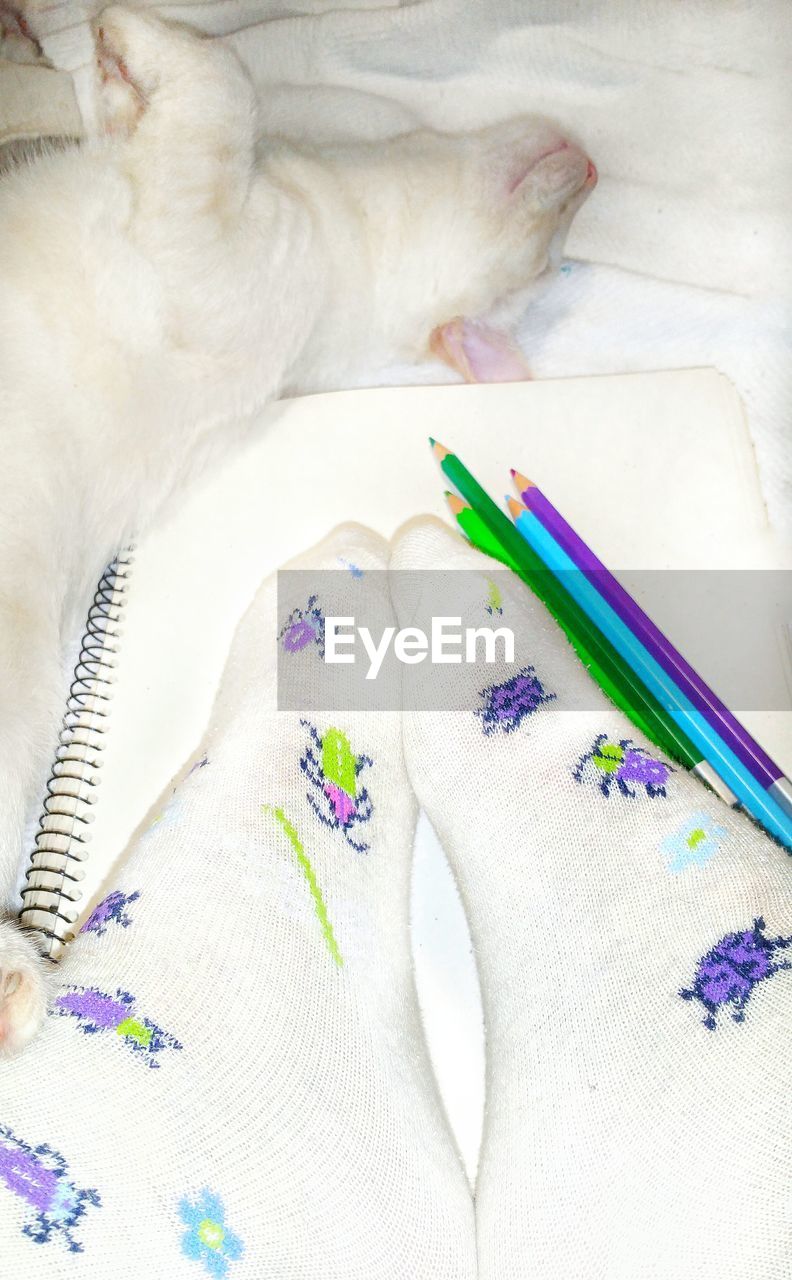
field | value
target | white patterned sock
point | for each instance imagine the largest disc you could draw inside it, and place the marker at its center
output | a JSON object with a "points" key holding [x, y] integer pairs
{"points": [[233, 1079], [634, 942]]}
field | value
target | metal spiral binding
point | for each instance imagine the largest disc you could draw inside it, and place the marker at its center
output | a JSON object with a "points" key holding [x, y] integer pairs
{"points": [[53, 877]]}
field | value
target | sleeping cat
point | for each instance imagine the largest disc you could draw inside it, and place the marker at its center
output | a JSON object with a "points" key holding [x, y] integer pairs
{"points": [[159, 285]]}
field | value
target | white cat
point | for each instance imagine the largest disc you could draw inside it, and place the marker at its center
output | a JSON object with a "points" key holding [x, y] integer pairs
{"points": [[160, 285]]}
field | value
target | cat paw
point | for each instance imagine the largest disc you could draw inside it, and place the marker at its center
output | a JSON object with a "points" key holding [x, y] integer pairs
{"points": [[478, 352], [18, 42], [122, 97], [23, 988]]}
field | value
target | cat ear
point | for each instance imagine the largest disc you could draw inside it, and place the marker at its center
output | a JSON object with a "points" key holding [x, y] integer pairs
{"points": [[479, 353]]}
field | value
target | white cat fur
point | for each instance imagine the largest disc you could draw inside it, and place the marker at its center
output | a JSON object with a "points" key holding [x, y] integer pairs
{"points": [[159, 286]]}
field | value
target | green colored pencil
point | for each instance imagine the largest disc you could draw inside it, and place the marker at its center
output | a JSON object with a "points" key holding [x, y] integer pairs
{"points": [[602, 661], [476, 531], [474, 528]]}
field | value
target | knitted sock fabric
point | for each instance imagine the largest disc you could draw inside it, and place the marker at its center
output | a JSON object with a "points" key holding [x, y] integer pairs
{"points": [[634, 943], [232, 1079]]}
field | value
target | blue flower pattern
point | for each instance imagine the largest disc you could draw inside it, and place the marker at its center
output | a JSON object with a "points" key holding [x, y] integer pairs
{"points": [[208, 1239]]}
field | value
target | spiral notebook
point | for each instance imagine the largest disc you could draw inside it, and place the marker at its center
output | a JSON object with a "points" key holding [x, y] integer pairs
{"points": [[51, 888], [658, 470]]}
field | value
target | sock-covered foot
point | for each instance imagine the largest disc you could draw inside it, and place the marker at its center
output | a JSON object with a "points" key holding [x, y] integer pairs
{"points": [[634, 942], [232, 1078]]}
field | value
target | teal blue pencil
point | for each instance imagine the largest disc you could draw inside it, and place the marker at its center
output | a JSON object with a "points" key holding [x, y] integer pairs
{"points": [[748, 790]]}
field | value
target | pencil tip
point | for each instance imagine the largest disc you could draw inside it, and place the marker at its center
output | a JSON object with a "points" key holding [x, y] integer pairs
{"points": [[515, 508], [440, 450], [432, 441], [456, 503], [522, 482]]}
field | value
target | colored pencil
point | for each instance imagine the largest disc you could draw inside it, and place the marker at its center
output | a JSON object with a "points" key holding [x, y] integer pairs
{"points": [[477, 532], [734, 734], [751, 794], [634, 699], [479, 536]]}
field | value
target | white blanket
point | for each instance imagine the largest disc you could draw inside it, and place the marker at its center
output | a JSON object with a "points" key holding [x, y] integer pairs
{"points": [[683, 104]]}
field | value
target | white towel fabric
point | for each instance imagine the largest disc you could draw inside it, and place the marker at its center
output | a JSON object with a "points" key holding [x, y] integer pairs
{"points": [[684, 108]]}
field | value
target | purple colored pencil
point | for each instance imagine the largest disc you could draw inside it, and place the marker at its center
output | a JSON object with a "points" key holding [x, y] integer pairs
{"points": [[755, 759]]}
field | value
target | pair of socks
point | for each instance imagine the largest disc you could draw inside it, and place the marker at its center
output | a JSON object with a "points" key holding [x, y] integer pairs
{"points": [[232, 1078]]}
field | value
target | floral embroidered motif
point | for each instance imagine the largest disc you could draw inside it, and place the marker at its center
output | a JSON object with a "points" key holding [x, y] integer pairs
{"points": [[697, 840], [111, 910], [168, 817], [303, 627], [494, 598], [333, 771], [624, 766], [728, 974], [95, 1011], [208, 1239], [40, 1177], [353, 568], [507, 705]]}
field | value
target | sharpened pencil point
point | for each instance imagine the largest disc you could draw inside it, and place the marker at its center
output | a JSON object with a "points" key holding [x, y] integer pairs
{"points": [[456, 503], [515, 508], [432, 441], [522, 482], [440, 450]]}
